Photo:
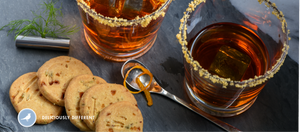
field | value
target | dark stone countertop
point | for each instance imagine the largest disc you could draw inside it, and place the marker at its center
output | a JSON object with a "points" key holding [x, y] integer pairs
{"points": [[276, 108]]}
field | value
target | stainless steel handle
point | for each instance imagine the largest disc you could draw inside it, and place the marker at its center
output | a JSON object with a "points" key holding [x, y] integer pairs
{"points": [[62, 44], [211, 118]]}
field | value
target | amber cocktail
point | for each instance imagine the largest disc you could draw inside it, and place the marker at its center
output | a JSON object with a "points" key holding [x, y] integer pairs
{"points": [[231, 49], [119, 30]]}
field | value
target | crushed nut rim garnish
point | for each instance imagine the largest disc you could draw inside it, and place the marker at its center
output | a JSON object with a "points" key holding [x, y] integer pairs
{"points": [[252, 82], [116, 22]]}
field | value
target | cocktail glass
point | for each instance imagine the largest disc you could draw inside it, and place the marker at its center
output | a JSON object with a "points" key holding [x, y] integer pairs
{"points": [[215, 80], [125, 29]]}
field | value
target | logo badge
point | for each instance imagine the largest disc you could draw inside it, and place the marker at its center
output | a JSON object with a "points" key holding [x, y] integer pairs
{"points": [[27, 117]]}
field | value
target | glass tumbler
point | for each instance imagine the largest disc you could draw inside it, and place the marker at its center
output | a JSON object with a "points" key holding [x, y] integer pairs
{"points": [[119, 30], [231, 49]]}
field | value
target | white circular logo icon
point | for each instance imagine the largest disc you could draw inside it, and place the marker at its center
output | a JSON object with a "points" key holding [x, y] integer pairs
{"points": [[27, 117]]}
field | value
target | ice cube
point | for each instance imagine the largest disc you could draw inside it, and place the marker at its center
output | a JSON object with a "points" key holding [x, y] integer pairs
{"points": [[128, 9], [110, 8], [230, 63], [150, 6], [132, 8], [117, 6]]}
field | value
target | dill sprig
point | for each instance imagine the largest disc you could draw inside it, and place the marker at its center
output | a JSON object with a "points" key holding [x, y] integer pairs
{"points": [[40, 26]]}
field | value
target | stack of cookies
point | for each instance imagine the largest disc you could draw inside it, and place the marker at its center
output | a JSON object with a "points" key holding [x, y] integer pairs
{"points": [[90, 102]]}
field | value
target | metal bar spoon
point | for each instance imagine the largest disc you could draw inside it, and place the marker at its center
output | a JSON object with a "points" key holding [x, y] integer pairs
{"points": [[156, 88]]}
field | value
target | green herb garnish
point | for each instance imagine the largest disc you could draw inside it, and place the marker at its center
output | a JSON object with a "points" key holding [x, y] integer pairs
{"points": [[40, 26]]}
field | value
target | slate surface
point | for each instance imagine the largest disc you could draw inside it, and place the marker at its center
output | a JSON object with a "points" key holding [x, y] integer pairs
{"points": [[276, 108]]}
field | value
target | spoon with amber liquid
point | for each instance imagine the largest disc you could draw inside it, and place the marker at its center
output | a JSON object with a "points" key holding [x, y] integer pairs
{"points": [[156, 88]]}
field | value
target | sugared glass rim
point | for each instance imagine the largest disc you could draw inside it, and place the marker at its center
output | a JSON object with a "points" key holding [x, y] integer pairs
{"points": [[252, 82], [116, 22]]}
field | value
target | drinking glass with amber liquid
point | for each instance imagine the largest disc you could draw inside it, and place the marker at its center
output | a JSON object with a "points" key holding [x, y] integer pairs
{"points": [[231, 49], [119, 30]]}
